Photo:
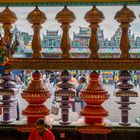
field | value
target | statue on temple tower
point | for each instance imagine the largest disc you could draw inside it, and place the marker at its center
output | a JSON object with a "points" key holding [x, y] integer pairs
{"points": [[2, 49], [7, 50]]}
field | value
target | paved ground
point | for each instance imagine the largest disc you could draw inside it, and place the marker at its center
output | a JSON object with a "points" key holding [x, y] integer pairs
{"points": [[110, 105]]}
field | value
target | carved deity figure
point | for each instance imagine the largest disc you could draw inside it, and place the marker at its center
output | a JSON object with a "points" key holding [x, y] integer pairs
{"points": [[8, 49], [3, 49]]}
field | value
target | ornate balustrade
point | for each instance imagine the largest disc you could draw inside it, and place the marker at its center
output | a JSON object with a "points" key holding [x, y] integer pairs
{"points": [[65, 17]]}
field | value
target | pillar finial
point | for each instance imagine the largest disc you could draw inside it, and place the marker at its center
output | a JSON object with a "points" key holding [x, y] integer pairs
{"points": [[65, 17], [125, 16], [94, 17], [36, 17]]}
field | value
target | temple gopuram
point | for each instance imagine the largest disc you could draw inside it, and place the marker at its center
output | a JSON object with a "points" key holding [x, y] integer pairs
{"points": [[92, 123]]}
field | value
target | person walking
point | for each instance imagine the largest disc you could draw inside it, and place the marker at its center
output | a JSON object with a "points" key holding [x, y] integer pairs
{"points": [[116, 79], [77, 100], [135, 79]]}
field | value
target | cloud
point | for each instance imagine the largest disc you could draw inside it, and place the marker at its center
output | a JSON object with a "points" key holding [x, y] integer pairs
{"points": [[109, 25], [135, 28], [109, 29]]}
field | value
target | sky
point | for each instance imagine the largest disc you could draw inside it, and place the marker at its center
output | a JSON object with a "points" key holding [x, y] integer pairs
{"points": [[109, 25]]}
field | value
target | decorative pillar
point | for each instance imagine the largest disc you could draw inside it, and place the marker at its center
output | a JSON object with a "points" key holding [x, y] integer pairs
{"points": [[36, 94], [94, 95], [7, 18], [124, 92], [125, 16], [65, 91], [36, 17], [8, 92], [94, 17], [65, 17]]}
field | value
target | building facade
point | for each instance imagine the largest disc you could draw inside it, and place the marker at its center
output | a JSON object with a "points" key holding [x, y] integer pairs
{"points": [[79, 43]]}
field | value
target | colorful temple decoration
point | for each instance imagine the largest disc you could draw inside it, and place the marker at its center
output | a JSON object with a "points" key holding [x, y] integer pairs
{"points": [[65, 17], [8, 92], [94, 95], [94, 17], [80, 42], [65, 91], [51, 40], [124, 93], [51, 44], [2, 51], [36, 94], [23, 40], [7, 50], [125, 16], [78, 47]]}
